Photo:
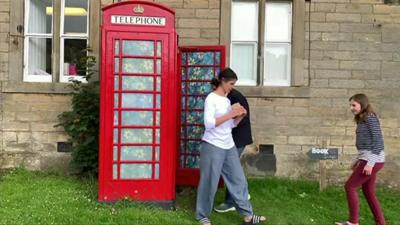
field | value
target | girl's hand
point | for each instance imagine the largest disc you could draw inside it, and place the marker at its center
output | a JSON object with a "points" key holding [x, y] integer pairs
{"points": [[237, 106], [367, 170]]}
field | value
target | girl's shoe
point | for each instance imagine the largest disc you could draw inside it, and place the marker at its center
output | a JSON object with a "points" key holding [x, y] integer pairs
{"points": [[342, 223], [255, 220]]}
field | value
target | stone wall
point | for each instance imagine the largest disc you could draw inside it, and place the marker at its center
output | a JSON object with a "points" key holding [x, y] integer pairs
{"points": [[4, 29], [29, 136], [353, 47]]}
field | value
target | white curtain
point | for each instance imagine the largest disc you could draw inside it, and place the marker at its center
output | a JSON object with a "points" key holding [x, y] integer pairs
{"points": [[37, 46], [243, 62]]}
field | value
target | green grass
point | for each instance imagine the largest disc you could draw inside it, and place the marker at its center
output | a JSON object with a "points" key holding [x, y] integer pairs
{"points": [[39, 198]]}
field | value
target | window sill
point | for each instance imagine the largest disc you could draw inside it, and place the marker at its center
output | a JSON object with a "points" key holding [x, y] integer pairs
{"points": [[275, 92], [31, 87]]}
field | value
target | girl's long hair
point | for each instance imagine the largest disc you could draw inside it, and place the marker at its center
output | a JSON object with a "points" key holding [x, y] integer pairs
{"points": [[225, 75], [366, 108]]}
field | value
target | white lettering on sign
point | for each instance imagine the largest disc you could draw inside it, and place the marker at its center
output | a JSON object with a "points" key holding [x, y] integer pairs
{"points": [[320, 151], [138, 20]]}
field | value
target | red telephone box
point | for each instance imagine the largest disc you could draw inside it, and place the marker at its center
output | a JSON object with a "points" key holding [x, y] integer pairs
{"points": [[139, 103]]}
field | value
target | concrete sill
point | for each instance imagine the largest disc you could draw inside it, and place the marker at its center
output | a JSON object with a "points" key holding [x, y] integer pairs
{"points": [[30, 87]]}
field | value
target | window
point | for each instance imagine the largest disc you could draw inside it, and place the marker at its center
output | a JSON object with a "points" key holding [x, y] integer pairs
{"points": [[74, 37], [38, 41], [244, 41], [277, 44], [261, 45], [53, 54]]}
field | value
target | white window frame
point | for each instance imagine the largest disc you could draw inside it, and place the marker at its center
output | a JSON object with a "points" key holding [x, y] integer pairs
{"points": [[26, 76], [247, 82], [63, 37], [288, 42], [260, 64]]}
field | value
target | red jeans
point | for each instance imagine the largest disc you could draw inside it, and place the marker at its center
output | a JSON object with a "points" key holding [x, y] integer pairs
{"points": [[367, 182]]}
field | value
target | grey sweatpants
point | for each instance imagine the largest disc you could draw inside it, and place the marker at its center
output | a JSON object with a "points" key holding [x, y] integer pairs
{"points": [[215, 162]]}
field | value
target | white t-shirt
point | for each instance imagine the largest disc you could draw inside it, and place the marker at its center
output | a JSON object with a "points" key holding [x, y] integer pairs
{"points": [[216, 106]]}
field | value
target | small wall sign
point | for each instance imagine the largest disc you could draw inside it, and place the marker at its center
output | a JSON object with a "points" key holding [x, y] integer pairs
{"points": [[323, 153], [138, 20]]}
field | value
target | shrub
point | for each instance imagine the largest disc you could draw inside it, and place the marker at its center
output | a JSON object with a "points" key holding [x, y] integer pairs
{"points": [[82, 122]]}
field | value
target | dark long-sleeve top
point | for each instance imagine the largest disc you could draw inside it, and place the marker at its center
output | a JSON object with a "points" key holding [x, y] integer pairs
{"points": [[242, 132], [369, 140]]}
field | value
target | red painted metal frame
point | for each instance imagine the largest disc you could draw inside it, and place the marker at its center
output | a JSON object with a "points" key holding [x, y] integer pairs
{"points": [[188, 176], [162, 189]]}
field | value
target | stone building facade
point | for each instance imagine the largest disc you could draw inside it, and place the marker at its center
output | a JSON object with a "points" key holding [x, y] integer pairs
{"points": [[338, 48]]}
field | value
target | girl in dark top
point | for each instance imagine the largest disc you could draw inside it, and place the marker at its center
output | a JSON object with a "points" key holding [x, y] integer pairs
{"points": [[370, 160]]}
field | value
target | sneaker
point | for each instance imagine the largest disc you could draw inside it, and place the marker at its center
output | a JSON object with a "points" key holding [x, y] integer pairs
{"points": [[223, 208]]}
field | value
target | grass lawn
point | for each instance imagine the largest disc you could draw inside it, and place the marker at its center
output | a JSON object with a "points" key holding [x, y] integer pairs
{"points": [[39, 198]]}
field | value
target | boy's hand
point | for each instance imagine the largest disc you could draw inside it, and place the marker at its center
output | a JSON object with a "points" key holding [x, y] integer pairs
{"points": [[236, 112], [244, 111], [236, 105]]}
